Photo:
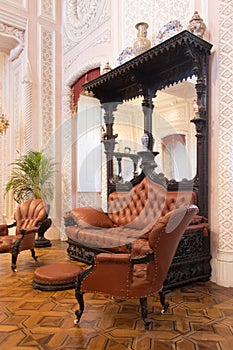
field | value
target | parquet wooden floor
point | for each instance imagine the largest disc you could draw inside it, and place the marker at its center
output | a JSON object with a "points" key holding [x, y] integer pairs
{"points": [[200, 316]]}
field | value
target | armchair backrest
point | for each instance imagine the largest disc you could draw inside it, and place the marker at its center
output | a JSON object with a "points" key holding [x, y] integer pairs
{"points": [[164, 240], [29, 214]]}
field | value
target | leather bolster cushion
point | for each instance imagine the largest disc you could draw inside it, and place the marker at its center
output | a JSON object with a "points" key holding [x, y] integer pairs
{"points": [[89, 217]]}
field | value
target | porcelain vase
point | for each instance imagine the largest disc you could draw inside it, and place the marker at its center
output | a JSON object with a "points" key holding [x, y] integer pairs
{"points": [[142, 43]]}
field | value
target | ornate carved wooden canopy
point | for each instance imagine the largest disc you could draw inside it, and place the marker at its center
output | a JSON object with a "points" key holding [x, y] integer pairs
{"points": [[175, 59]]}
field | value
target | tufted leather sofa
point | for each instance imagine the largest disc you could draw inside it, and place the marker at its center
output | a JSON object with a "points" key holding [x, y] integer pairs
{"points": [[127, 225]]}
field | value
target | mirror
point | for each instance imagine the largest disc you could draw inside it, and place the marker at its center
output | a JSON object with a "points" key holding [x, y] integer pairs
{"points": [[174, 134]]}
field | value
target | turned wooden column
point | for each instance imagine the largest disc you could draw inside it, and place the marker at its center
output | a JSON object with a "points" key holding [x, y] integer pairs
{"points": [[201, 123], [148, 107], [109, 138]]}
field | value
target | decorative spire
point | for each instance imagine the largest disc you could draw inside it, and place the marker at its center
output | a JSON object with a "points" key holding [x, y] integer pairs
{"points": [[197, 25]]}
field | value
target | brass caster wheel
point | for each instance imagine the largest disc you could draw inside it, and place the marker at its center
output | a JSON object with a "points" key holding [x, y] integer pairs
{"points": [[76, 322]]}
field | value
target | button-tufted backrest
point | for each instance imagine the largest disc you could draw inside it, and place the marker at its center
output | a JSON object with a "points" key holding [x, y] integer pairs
{"points": [[30, 214], [138, 208], [176, 199], [141, 207]]}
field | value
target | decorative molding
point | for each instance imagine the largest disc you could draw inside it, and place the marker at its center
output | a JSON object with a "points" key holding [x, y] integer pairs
{"points": [[15, 53], [12, 27], [67, 132], [17, 87], [103, 38], [222, 268], [13, 20], [225, 160], [89, 65], [78, 53], [47, 9], [66, 159], [27, 108], [47, 63], [12, 31]]}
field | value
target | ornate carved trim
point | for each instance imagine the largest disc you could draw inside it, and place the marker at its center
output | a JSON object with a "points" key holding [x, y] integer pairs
{"points": [[13, 33], [170, 51], [9, 30]]}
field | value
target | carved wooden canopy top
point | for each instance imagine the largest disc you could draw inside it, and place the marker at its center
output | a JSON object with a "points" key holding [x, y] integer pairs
{"points": [[175, 59]]}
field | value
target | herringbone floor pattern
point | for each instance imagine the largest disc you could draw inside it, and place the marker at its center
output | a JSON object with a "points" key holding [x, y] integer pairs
{"points": [[200, 317]]}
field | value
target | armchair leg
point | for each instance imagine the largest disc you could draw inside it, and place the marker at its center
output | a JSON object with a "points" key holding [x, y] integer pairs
{"points": [[164, 304], [78, 313], [144, 312], [13, 262], [34, 254], [14, 255], [79, 295]]}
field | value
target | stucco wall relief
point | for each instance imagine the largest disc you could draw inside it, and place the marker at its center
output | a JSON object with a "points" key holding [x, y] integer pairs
{"points": [[83, 17]]}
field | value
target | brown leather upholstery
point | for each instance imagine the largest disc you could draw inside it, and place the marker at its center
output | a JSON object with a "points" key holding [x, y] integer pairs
{"points": [[56, 276], [29, 215], [145, 226], [138, 208], [129, 219], [121, 275]]}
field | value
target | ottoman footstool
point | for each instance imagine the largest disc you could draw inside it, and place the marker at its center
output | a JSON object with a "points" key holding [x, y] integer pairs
{"points": [[56, 276]]}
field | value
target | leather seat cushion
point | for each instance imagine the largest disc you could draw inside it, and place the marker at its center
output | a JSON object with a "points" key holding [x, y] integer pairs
{"points": [[60, 275], [5, 244]]}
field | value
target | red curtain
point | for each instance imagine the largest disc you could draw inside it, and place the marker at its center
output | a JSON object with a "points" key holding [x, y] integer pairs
{"points": [[77, 87]]}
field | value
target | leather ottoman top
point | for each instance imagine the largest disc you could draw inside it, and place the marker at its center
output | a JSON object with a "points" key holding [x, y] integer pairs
{"points": [[57, 273]]}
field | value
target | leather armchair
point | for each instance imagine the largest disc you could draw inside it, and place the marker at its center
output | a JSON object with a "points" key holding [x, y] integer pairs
{"points": [[28, 218], [126, 276]]}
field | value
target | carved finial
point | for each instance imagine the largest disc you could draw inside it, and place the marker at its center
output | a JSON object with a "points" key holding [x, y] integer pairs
{"points": [[106, 68], [197, 25]]}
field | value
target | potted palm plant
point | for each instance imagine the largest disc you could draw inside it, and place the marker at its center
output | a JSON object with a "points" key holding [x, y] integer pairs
{"points": [[32, 177]]}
